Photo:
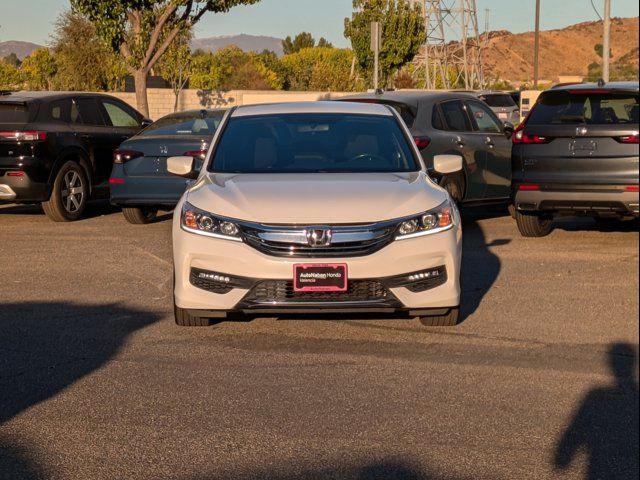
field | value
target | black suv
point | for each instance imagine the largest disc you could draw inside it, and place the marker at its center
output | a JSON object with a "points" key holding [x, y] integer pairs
{"points": [[577, 153], [57, 148]]}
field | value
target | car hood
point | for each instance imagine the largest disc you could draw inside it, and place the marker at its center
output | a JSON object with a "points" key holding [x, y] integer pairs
{"points": [[318, 198]]}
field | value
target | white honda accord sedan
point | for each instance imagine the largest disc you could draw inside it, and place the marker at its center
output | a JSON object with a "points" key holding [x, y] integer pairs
{"points": [[315, 208]]}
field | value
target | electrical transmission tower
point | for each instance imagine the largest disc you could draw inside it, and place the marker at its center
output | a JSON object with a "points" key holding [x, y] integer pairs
{"points": [[453, 45]]}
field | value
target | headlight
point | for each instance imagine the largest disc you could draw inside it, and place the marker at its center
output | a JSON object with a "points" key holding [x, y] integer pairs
{"points": [[437, 220], [200, 222]]}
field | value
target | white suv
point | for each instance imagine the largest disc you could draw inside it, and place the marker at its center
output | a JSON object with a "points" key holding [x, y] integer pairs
{"points": [[320, 207]]}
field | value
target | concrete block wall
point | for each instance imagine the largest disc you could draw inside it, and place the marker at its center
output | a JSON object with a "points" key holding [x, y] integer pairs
{"points": [[161, 100]]}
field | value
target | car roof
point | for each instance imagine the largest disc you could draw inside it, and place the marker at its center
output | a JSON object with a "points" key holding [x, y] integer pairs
{"points": [[409, 97], [343, 108], [26, 96], [605, 86]]}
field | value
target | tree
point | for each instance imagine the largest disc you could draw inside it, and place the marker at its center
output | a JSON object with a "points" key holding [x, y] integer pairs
{"points": [[83, 61], [230, 68], [142, 30], [324, 43], [324, 69], [9, 77], [302, 40], [175, 66], [599, 49], [403, 33], [12, 59], [38, 70]]}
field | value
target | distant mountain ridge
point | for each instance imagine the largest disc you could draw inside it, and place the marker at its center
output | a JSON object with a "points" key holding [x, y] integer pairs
{"points": [[21, 49], [248, 43]]}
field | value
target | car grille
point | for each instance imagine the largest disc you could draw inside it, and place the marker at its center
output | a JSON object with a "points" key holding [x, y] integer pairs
{"points": [[281, 292], [348, 241]]}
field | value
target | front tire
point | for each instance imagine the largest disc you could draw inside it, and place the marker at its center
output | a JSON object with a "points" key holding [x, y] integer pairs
{"points": [[185, 319], [451, 319], [140, 216], [69, 194], [533, 225]]}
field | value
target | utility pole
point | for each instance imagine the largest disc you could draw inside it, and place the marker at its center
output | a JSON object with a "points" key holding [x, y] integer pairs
{"points": [[606, 41], [536, 47], [376, 36]]}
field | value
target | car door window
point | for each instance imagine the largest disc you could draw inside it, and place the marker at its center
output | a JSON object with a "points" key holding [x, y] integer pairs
{"points": [[59, 110], [119, 116], [89, 112], [455, 117], [483, 118]]}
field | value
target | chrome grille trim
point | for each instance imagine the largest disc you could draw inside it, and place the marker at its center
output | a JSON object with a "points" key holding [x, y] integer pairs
{"points": [[346, 240]]}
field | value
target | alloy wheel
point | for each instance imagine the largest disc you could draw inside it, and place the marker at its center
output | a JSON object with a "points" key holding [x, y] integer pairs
{"points": [[73, 191]]}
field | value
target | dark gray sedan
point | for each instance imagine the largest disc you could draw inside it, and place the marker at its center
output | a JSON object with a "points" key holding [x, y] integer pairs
{"points": [[140, 183], [458, 124]]}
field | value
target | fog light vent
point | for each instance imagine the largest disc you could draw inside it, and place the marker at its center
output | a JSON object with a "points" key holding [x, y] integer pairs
{"points": [[216, 282], [420, 281]]}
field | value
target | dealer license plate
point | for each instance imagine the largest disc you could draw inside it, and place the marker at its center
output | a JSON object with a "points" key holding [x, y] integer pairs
{"points": [[320, 277]]}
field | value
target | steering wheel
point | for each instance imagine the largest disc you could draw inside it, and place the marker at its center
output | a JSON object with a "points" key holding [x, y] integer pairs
{"points": [[370, 156]]}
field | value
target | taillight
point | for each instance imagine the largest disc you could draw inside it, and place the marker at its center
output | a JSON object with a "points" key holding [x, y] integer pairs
{"points": [[196, 154], [27, 136], [529, 187], [422, 142], [632, 188], [122, 156], [520, 137], [628, 138], [116, 181]]}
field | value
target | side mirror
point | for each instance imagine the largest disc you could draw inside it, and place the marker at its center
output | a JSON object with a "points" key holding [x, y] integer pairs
{"points": [[145, 122], [508, 128], [182, 166], [444, 164]]}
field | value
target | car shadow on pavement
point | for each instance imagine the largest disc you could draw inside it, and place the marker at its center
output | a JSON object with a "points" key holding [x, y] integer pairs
{"points": [[46, 347], [382, 470], [94, 209], [605, 425], [480, 266], [606, 225]]}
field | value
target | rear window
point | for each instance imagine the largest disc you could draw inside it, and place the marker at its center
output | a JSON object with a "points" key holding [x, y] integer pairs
{"points": [[498, 100], [313, 143], [564, 107], [185, 125], [13, 113]]}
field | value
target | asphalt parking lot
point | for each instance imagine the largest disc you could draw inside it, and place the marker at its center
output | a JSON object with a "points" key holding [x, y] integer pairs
{"points": [[96, 381]]}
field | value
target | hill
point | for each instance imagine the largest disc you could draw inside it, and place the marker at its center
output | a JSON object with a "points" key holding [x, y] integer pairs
{"points": [[248, 43], [21, 49], [568, 51]]}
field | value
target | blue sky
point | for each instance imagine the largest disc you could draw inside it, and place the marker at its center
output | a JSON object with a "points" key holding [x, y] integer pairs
{"points": [[33, 20]]}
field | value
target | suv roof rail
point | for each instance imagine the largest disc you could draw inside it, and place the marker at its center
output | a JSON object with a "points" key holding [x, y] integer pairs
{"points": [[5, 92]]}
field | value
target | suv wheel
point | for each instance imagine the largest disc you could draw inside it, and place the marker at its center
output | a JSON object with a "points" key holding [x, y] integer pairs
{"points": [[69, 194], [184, 319], [140, 216], [533, 225], [451, 319], [454, 184]]}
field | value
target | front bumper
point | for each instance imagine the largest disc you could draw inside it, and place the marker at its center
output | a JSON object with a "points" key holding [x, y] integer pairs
{"points": [[264, 282], [590, 200]]}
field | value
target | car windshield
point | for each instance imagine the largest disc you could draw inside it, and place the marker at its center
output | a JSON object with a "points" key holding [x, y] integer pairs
{"points": [[313, 143], [498, 100], [592, 108], [191, 124], [13, 113]]}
